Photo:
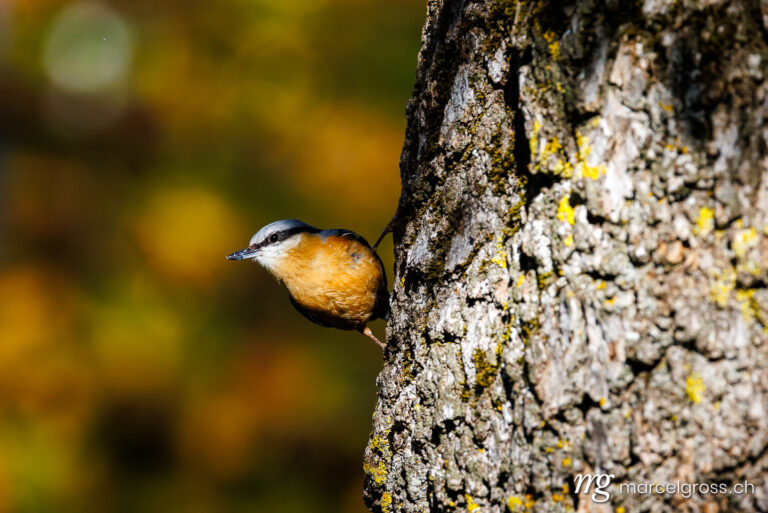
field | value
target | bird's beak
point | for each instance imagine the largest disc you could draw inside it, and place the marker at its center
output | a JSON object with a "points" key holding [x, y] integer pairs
{"points": [[243, 254]]}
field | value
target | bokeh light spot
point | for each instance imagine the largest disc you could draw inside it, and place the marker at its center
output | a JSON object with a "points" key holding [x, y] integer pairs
{"points": [[33, 307], [88, 49], [187, 233]]}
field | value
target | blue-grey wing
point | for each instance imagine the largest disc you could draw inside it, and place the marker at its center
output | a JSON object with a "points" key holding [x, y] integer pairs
{"points": [[339, 232]]}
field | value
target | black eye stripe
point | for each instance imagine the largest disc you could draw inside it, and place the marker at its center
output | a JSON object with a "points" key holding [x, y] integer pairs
{"points": [[278, 237]]}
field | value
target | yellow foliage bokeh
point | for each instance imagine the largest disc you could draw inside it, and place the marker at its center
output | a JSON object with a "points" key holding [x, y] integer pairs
{"points": [[185, 233]]}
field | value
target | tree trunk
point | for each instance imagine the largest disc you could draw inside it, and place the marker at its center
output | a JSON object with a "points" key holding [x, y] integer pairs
{"points": [[581, 280]]}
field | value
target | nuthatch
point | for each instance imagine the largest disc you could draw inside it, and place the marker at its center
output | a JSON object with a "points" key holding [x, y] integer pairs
{"points": [[333, 277]]}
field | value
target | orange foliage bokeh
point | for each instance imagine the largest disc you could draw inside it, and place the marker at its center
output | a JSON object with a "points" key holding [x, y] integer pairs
{"points": [[142, 142]]}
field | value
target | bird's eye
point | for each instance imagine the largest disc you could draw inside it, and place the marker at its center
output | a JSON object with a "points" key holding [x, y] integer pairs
{"points": [[273, 237]]}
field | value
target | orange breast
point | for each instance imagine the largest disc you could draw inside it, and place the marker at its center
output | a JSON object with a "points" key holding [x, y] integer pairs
{"points": [[337, 278]]}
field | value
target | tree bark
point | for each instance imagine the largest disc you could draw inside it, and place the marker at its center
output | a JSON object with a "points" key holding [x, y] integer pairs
{"points": [[581, 250]]}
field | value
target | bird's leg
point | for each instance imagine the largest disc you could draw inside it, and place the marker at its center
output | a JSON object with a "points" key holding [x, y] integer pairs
{"points": [[368, 333], [387, 229]]}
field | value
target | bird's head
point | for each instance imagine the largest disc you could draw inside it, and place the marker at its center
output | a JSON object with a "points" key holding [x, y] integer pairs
{"points": [[271, 244]]}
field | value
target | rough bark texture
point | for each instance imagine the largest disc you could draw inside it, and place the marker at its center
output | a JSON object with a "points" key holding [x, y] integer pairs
{"points": [[581, 259]]}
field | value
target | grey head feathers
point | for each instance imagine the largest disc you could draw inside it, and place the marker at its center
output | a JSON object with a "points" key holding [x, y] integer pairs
{"points": [[276, 232], [269, 243]]}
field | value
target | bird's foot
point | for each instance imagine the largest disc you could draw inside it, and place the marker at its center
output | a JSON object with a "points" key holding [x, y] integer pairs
{"points": [[387, 229], [368, 333]]}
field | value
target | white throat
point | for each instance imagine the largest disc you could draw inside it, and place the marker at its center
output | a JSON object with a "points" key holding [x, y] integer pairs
{"points": [[270, 257]]}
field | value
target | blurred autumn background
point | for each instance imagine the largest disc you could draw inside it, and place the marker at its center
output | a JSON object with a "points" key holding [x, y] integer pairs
{"points": [[141, 142]]}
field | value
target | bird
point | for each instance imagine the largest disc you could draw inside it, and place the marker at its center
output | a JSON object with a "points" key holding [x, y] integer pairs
{"points": [[334, 278]]}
